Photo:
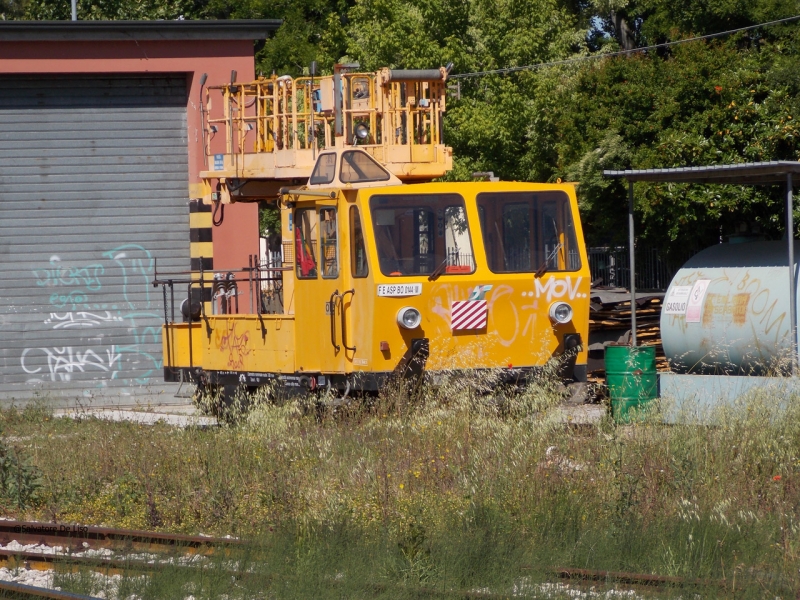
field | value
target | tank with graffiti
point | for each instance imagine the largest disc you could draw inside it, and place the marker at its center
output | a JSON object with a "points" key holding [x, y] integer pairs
{"points": [[727, 311]]}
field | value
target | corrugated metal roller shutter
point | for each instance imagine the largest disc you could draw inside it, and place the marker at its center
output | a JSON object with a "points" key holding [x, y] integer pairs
{"points": [[93, 188]]}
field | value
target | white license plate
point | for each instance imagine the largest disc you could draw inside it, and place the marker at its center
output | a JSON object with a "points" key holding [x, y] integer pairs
{"points": [[396, 290]]}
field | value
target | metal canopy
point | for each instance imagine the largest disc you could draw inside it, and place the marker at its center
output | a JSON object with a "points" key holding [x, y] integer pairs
{"points": [[740, 173], [773, 172]]}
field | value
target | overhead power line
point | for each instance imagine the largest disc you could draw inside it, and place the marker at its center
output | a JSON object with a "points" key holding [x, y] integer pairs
{"points": [[577, 59]]}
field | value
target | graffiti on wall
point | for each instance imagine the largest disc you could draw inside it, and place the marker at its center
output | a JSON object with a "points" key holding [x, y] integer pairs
{"points": [[70, 284], [104, 311]]}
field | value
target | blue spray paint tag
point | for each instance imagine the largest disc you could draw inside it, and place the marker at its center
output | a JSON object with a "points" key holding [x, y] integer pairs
{"points": [[479, 292]]}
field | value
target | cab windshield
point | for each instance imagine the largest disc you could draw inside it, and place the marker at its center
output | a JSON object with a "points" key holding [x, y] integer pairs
{"points": [[528, 232], [419, 234]]}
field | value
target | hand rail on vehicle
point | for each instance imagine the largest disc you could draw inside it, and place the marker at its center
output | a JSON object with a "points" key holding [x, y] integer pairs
{"points": [[265, 285], [344, 321], [332, 309]]}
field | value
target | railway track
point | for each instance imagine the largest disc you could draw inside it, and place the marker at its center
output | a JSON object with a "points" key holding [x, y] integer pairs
{"points": [[636, 580], [41, 546], [43, 561], [18, 590], [80, 537], [73, 548]]}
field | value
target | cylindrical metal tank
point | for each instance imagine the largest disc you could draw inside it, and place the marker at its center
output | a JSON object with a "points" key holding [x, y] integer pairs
{"points": [[727, 311]]}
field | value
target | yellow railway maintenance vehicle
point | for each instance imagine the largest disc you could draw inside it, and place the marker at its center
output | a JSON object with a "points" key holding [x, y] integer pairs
{"points": [[380, 275]]}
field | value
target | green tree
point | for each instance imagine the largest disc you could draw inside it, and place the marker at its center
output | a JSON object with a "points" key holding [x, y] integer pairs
{"points": [[418, 34], [732, 99], [269, 219], [311, 30], [708, 103], [12, 9], [55, 10]]}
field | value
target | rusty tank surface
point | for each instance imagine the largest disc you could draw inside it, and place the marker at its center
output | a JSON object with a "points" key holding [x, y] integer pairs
{"points": [[726, 311]]}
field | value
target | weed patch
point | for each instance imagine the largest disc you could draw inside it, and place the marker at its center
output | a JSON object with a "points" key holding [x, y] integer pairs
{"points": [[458, 486]]}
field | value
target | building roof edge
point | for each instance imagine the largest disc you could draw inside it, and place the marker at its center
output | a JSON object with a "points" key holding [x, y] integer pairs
{"points": [[90, 31]]}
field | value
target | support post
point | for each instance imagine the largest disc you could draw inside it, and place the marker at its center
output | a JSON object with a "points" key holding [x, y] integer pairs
{"points": [[792, 280], [312, 132], [632, 263], [74, 10]]}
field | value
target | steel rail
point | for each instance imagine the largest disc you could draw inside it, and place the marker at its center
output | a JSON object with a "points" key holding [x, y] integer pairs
{"points": [[638, 579], [40, 561], [578, 577], [10, 589], [83, 536]]}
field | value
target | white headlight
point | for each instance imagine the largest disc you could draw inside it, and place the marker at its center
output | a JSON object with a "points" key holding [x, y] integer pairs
{"points": [[409, 318], [560, 312]]}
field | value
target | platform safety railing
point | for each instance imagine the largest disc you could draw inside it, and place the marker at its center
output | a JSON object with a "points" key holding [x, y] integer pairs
{"points": [[395, 115]]}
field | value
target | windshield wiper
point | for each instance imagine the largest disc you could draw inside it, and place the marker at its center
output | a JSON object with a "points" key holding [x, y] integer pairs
{"points": [[437, 272], [540, 272]]}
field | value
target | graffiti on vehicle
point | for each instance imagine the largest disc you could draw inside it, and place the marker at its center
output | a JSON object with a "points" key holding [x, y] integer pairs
{"points": [[558, 288], [236, 345], [519, 318]]}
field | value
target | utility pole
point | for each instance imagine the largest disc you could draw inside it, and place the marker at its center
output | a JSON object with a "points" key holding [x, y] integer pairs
{"points": [[74, 10]]}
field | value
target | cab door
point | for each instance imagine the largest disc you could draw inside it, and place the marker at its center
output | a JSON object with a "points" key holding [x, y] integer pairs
{"points": [[319, 288], [357, 300]]}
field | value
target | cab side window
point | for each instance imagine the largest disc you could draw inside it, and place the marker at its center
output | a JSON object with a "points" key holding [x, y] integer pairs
{"points": [[305, 243], [358, 252], [329, 243]]}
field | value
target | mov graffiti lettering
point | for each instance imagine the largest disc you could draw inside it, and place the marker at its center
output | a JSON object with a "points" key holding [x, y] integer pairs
{"points": [[558, 288]]}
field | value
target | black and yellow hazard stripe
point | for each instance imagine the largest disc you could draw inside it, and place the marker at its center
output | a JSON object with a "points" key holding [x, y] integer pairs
{"points": [[201, 246]]}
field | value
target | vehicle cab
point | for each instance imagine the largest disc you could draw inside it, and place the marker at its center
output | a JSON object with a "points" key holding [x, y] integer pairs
{"points": [[434, 276]]}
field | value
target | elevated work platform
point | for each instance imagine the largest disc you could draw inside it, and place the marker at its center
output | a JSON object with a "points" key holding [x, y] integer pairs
{"points": [[268, 132]]}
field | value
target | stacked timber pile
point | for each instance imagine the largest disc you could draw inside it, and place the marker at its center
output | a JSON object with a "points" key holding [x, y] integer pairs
{"points": [[610, 321]]}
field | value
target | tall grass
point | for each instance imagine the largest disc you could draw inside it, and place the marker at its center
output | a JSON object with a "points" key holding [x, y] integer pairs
{"points": [[444, 488]]}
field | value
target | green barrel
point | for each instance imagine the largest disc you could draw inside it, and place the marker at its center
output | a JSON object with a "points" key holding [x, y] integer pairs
{"points": [[631, 379]]}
